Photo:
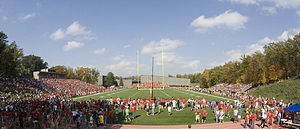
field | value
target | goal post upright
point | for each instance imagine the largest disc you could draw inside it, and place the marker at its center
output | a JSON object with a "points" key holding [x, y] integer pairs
{"points": [[163, 73], [138, 72]]}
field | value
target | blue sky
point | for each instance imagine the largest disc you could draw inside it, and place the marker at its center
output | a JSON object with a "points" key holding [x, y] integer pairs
{"points": [[194, 34]]}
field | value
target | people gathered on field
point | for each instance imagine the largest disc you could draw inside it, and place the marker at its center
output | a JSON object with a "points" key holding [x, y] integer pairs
{"points": [[37, 104]]}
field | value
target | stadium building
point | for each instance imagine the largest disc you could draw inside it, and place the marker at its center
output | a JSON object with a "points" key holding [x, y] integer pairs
{"points": [[48, 73], [171, 81]]}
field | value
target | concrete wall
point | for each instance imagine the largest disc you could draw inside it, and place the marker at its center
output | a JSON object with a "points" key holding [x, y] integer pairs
{"points": [[126, 82], [40, 75], [171, 81], [101, 80]]}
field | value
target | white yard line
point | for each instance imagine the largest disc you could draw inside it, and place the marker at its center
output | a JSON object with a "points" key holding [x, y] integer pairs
{"points": [[165, 93], [209, 95], [135, 94], [93, 95]]}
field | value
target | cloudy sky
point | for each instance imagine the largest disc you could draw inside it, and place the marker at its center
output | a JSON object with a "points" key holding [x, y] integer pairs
{"points": [[195, 34]]}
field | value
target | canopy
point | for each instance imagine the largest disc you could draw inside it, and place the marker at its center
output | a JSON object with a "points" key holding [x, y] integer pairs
{"points": [[294, 108]]}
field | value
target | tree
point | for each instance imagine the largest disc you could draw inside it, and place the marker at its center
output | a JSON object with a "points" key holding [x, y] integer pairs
{"points": [[94, 75], [71, 74], [121, 81], [60, 69], [32, 63], [84, 74], [170, 75], [10, 58], [109, 79]]}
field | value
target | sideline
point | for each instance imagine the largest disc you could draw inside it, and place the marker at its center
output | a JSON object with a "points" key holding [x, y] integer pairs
{"points": [[208, 95], [93, 94]]}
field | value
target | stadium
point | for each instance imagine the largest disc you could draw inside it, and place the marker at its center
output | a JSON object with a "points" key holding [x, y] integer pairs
{"points": [[149, 64]]}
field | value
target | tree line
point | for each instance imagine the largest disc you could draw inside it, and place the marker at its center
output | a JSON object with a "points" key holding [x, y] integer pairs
{"points": [[14, 64], [280, 60]]}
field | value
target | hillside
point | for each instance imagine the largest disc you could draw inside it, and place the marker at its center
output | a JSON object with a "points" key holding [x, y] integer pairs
{"points": [[288, 90]]}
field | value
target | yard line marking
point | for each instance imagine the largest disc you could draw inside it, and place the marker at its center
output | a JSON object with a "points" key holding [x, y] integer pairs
{"points": [[165, 93], [209, 95], [135, 94], [95, 94]]}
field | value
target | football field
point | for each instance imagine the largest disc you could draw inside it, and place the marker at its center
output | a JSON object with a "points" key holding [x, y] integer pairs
{"points": [[157, 93], [183, 117]]}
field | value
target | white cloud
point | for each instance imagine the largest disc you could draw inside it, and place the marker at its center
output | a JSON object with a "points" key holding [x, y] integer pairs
{"points": [[99, 51], [127, 46], [125, 67], [298, 13], [72, 44], [169, 59], [234, 55], [215, 63], [58, 34], [285, 3], [258, 47], [4, 18], [75, 29], [229, 19], [30, 15], [271, 10], [192, 64], [119, 57], [246, 2], [283, 36], [166, 44]]}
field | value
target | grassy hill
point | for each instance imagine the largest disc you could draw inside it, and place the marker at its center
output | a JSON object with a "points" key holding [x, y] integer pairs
{"points": [[288, 90]]}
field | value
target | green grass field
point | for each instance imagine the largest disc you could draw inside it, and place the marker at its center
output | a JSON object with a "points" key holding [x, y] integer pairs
{"points": [[288, 90], [182, 117]]}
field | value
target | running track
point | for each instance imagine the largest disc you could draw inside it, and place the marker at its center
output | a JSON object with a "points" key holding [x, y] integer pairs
{"points": [[226, 125]]}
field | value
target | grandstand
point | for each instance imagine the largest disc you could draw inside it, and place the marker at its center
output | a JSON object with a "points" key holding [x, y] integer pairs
{"points": [[231, 87]]}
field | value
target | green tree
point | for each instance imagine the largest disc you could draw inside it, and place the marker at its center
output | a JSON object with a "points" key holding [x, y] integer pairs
{"points": [[121, 82], [10, 58], [60, 69], [33, 63], [109, 79], [94, 75]]}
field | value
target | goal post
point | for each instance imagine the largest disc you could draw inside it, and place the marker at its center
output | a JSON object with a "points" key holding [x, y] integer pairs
{"points": [[139, 78]]}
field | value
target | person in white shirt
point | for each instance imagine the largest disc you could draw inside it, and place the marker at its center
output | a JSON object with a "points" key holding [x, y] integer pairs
{"points": [[217, 115], [235, 114], [153, 107], [221, 116], [263, 120]]}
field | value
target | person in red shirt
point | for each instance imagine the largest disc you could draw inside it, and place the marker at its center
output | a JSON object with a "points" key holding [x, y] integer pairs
{"points": [[198, 115], [204, 116], [253, 118], [123, 109], [228, 111], [111, 116], [246, 120], [133, 108]]}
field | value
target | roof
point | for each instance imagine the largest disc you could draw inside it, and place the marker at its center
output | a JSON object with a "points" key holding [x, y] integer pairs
{"points": [[294, 108]]}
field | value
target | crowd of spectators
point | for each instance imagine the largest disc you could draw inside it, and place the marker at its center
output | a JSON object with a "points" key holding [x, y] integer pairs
{"points": [[72, 87], [149, 85], [230, 87]]}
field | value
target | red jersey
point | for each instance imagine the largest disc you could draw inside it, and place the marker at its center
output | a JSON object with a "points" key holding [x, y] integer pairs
{"points": [[111, 114], [246, 117], [253, 117], [198, 112], [204, 113], [133, 108], [228, 109]]}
